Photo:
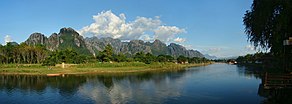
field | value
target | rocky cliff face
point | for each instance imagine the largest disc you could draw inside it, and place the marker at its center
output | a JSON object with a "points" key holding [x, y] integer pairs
{"points": [[53, 42], [37, 38], [177, 50], [66, 38], [96, 44], [157, 47], [69, 38]]}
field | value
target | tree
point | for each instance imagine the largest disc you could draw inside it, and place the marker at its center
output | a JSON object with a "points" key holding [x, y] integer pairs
{"points": [[181, 59], [2, 54], [106, 55], [9, 51], [109, 51], [40, 51], [164, 58], [268, 23], [140, 56], [149, 58], [161, 58], [120, 57], [68, 55]]}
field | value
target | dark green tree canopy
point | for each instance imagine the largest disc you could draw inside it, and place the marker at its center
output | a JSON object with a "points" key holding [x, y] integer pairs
{"points": [[268, 23], [107, 54]]}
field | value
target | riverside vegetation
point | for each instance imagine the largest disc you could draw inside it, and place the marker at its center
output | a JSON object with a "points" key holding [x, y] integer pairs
{"points": [[39, 53], [268, 27], [26, 59]]}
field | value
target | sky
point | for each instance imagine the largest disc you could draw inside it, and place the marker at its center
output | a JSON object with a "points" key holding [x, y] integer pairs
{"points": [[212, 27]]}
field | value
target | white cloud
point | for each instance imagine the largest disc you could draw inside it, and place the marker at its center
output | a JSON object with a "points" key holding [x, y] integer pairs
{"points": [[107, 24], [146, 38], [167, 33], [180, 40], [7, 39], [248, 49]]}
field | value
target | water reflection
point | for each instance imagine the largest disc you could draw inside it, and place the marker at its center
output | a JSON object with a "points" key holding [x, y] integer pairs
{"points": [[278, 94], [255, 72], [217, 83], [276, 91], [67, 85], [143, 88]]}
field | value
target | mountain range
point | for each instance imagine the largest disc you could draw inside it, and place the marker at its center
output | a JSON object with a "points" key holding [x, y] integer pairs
{"points": [[210, 57], [69, 38]]}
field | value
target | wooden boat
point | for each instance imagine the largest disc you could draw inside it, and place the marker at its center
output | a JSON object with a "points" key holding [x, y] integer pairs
{"points": [[51, 75]]}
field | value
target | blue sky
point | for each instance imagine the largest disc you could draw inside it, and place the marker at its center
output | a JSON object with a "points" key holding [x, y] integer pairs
{"points": [[213, 27]]}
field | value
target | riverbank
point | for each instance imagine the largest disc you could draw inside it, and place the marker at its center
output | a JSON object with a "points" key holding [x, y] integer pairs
{"points": [[92, 68]]}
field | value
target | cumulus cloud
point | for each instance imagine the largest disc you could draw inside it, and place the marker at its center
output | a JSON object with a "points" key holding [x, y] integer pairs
{"points": [[108, 24], [167, 33], [180, 40], [146, 38], [7, 39]]}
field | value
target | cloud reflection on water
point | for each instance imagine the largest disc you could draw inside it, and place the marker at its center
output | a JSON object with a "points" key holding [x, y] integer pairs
{"points": [[133, 89]]}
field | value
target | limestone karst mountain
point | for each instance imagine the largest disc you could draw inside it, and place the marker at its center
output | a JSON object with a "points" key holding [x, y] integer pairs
{"points": [[69, 38]]}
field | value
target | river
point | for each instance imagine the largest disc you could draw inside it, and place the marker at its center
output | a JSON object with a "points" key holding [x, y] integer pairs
{"points": [[213, 84]]}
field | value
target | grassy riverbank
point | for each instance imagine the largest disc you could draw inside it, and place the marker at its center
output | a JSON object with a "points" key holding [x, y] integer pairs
{"points": [[92, 68]]}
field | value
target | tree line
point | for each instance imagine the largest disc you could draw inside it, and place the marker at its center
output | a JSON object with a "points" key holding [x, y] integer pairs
{"points": [[252, 58], [12, 53], [264, 59], [22, 54]]}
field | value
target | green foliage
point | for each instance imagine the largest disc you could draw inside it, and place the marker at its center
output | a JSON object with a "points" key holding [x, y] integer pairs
{"points": [[22, 54], [149, 58], [268, 23], [66, 56], [120, 58], [182, 59], [252, 58], [106, 55], [198, 60], [164, 58], [140, 57], [38, 54]]}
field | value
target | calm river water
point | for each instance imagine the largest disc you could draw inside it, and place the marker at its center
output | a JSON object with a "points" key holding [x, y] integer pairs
{"points": [[216, 83]]}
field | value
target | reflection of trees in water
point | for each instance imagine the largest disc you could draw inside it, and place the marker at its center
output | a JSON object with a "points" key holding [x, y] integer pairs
{"points": [[107, 81], [160, 76], [276, 96], [135, 88], [150, 86], [23, 82], [250, 71], [273, 95], [67, 85]]}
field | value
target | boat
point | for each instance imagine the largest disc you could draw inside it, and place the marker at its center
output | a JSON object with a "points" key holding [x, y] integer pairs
{"points": [[52, 75]]}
